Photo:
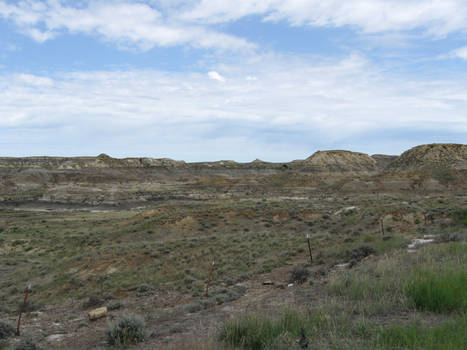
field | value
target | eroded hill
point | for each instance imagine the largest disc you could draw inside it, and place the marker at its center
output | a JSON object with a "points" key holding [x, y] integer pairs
{"points": [[106, 181]]}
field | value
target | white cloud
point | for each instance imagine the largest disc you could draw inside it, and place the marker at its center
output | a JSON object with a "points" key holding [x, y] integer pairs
{"points": [[216, 76], [460, 53], [33, 80], [125, 23], [439, 17], [139, 111], [145, 24]]}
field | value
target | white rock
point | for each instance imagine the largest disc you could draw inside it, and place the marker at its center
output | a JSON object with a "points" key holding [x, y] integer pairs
{"points": [[55, 337]]}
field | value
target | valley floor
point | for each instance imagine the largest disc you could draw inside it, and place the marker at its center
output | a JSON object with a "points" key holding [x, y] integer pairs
{"points": [[363, 289]]}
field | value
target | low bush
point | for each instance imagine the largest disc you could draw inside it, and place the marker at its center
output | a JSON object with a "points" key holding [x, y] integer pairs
{"points": [[450, 237], [360, 253], [126, 330], [26, 344], [299, 274], [460, 217], [94, 301], [115, 305], [6, 330]]}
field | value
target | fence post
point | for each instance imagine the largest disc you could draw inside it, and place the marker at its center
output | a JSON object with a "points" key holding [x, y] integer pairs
{"points": [[309, 248], [209, 279], [28, 290]]}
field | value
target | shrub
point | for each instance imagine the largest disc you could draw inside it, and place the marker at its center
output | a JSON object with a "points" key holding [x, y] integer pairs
{"points": [[144, 290], [460, 217], [115, 305], [126, 330], [360, 253], [299, 274], [26, 344], [450, 237], [93, 301], [6, 330]]}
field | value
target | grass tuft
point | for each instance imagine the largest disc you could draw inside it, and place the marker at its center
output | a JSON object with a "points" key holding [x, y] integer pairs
{"points": [[255, 332], [439, 291], [447, 336]]}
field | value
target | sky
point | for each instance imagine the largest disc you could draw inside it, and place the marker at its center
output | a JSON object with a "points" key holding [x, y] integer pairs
{"points": [[205, 80]]}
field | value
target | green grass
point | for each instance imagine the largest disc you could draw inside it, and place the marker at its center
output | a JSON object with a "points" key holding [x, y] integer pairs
{"points": [[460, 216], [326, 331], [450, 335], [433, 279], [439, 291], [255, 332]]}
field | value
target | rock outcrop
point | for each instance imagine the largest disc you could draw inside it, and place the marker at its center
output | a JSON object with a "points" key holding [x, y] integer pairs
{"points": [[432, 157], [340, 161], [76, 163]]}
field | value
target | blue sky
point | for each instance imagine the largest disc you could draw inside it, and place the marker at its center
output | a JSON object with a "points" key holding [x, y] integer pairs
{"points": [[220, 79]]}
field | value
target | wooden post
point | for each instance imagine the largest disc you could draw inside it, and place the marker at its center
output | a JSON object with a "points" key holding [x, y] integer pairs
{"points": [[309, 248], [28, 290], [382, 227], [209, 278]]}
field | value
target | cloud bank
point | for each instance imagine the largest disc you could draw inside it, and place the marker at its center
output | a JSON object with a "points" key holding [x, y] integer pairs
{"points": [[127, 24], [324, 102], [438, 17], [145, 24]]}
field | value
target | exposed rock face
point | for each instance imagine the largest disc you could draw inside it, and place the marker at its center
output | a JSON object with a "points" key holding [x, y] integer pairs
{"points": [[341, 161], [431, 157], [101, 161], [103, 179]]}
